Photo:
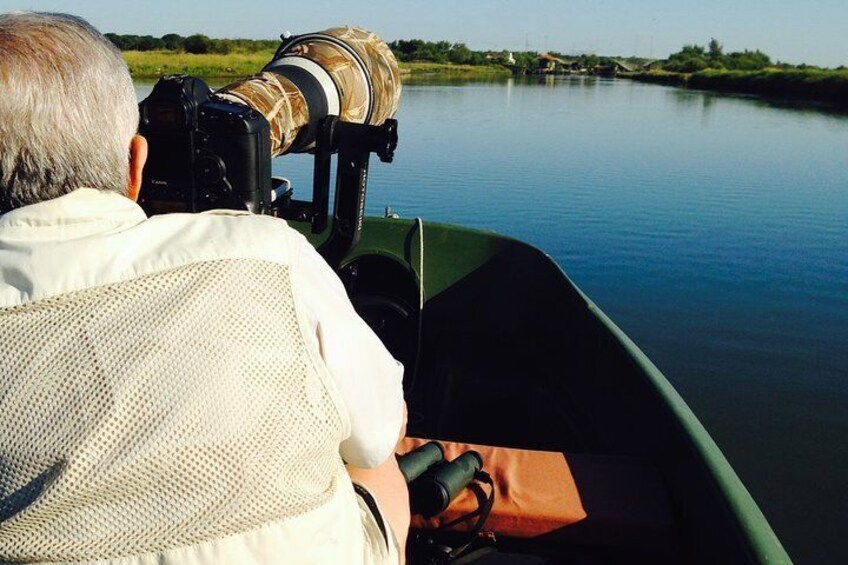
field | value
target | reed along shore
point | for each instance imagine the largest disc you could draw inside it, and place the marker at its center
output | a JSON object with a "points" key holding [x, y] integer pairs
{"points": [[816, 85]]}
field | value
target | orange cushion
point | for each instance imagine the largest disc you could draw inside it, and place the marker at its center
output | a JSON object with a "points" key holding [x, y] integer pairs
{"points": [[586, 499], [518, 475]]}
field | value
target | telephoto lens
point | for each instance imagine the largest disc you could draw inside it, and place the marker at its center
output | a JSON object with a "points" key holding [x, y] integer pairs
{"points": [[432, 493], [345, 71], [416, 462]]}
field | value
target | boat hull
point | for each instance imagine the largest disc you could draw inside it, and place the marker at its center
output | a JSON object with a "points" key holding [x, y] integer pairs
{"points": [[508, 351]]}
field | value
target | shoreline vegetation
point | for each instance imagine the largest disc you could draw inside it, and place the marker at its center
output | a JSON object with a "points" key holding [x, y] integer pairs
{"points": [[694, 66], [154, 64], [812, 85]]}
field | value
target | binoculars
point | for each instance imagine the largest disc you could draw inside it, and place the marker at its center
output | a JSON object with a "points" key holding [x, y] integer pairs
{"points": [[434, 482]]}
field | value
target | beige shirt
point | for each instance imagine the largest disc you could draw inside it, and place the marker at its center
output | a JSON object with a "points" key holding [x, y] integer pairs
{"points": [[90, 238], [70, 271]]}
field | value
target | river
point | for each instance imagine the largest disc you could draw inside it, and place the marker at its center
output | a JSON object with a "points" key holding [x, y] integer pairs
{"points": [[713, 229]]}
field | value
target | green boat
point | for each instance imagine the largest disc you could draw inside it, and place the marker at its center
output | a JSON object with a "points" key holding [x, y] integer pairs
{"points": [[502, 349]]}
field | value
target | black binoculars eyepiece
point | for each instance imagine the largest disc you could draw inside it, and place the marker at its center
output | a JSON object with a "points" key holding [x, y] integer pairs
{"points": [[434, 483], [415, 463]]}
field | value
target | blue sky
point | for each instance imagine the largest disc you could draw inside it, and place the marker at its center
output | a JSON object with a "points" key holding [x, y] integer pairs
{"points": [[814, 31]]}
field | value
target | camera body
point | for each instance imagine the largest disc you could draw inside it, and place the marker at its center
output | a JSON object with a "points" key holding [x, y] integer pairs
{"points": [[204, 153]]}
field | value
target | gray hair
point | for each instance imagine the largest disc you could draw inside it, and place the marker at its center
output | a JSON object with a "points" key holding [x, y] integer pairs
{"points": [[67, 109]]}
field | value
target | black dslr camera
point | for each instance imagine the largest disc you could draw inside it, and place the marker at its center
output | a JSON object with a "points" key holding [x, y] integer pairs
{"points": [[323, 93], [204, 153]]}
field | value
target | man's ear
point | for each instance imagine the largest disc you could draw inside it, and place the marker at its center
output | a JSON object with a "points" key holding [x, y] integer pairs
{"points": [[138, 157]]}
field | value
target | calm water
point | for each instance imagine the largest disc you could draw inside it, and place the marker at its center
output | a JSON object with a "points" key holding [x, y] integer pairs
{"points": [[712, 229]]}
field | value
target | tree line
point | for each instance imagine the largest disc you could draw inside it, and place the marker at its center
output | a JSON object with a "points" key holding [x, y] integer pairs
{"points": [[690, 59], [409, 50], [695, 58], [404, 50], [197, 43]]}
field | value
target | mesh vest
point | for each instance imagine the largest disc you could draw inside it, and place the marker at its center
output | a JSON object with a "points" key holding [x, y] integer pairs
{"points": [[168, 410]]}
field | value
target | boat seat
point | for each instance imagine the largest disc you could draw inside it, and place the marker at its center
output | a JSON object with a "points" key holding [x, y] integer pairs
{"points": [[571, 499]]}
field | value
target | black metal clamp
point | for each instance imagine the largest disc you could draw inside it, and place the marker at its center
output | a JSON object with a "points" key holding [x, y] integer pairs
{"points": [[354, 144]]}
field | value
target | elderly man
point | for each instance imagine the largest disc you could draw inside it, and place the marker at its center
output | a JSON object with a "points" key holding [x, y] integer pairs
{"points": [[179, 389]]}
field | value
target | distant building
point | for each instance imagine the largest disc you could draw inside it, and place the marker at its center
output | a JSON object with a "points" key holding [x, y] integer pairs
{"points": [[549, 64], [623, 66], [655, 65], [613, 68], [500, 57]]}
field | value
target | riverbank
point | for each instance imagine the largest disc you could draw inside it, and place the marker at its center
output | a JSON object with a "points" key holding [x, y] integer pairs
{"points": [[826, 86], [450, 70], [153, 64]]}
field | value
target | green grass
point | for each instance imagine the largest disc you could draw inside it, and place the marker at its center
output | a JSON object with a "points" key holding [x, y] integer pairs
{"points": [[659, 77], [153, 64], [819, 85]]}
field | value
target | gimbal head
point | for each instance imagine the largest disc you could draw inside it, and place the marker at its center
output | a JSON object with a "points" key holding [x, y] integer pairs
{"points": [[354, 144]]}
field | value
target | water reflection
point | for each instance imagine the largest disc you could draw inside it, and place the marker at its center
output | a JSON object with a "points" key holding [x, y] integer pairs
{"points": [[439, 79], [689, 101], [706, 99], [803, 107], [562, 81]]}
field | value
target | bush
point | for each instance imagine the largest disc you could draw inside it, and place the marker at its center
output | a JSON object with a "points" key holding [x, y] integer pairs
{"points": [[173, 41], [197, 44], [459, 54], [149, 43], [124, 42], [221, 46], [747, 61]]}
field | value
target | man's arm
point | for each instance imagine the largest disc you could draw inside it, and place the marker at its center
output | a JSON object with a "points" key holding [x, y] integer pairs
{"points": [[369, 379]]}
